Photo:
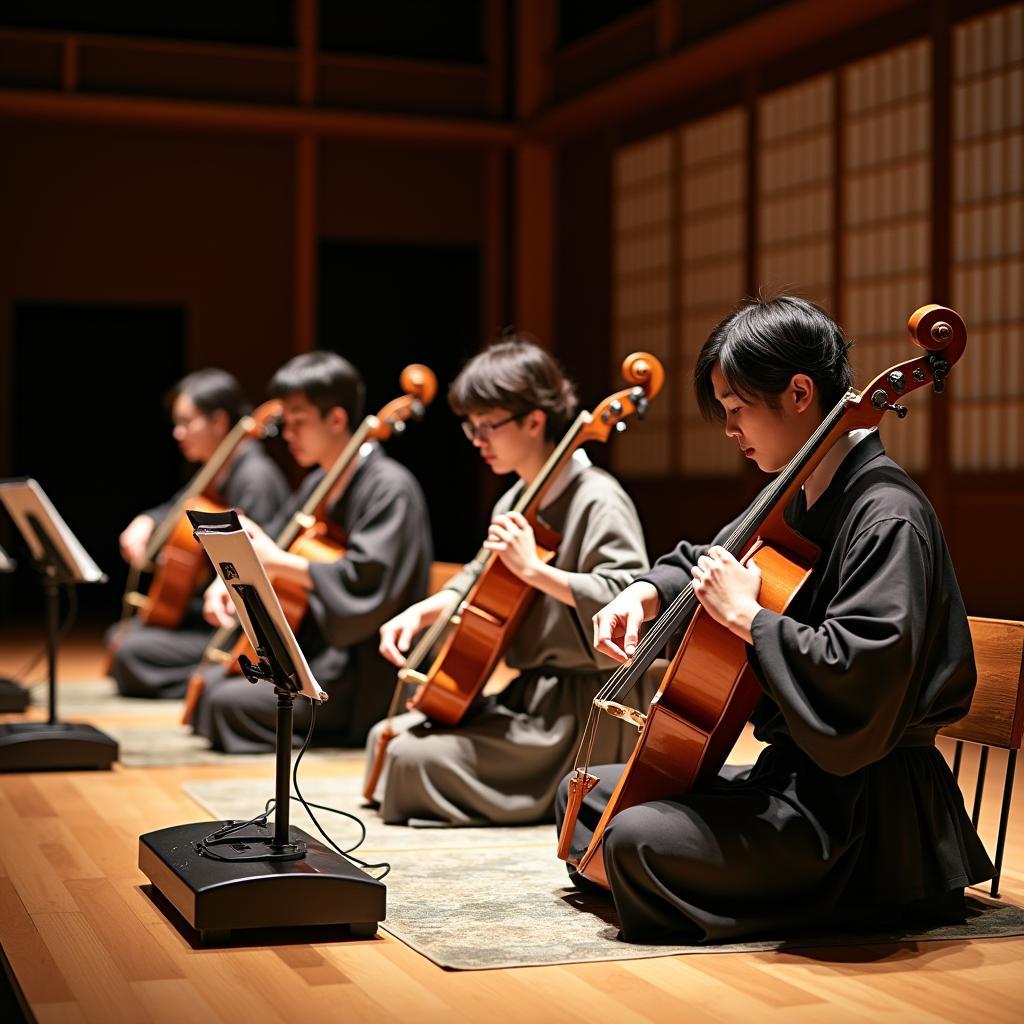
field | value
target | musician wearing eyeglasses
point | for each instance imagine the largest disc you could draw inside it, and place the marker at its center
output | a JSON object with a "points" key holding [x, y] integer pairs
{"points": [[502, 762]]}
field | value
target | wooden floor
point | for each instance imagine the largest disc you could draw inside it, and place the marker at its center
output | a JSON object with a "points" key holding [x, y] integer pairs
{"points": [[85, 942]]}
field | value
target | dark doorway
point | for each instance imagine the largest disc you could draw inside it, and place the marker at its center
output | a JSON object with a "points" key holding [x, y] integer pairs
{"points": [[385, 306], [88, 422]]}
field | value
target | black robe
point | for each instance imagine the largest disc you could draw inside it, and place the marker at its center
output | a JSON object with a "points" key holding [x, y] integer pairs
{"points": [[386, 568], [153, 661], [850, 812]]}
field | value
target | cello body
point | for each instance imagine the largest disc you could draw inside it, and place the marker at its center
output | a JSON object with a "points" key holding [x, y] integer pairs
{"points": [[705, 699], [181, 567], [487, 622]]}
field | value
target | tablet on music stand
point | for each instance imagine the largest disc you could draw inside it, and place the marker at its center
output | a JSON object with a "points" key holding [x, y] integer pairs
{"points": [[259, 612], [61, 561], [45, 532]]}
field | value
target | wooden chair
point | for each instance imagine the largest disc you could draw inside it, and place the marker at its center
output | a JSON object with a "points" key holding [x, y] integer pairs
{"points": [[996, 718], [440, 574]]}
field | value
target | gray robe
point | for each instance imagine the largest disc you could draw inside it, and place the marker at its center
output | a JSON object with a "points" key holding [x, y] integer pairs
{"points": [[503, 762], [154, 661], [385, 568]]}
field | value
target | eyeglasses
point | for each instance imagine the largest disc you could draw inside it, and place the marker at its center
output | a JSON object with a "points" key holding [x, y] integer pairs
{"points": [[482, 431]]}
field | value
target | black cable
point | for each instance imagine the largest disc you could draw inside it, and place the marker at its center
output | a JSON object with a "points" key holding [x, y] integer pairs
{"points": [[221, 835], [345, 814]]}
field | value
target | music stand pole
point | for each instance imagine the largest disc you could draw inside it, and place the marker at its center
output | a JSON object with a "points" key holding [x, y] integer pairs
{"points": [[51, 585], [13, 696]]}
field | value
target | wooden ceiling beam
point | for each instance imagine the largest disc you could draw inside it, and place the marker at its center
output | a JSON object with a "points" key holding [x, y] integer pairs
{"points": [[148, 112], [730, 54]]}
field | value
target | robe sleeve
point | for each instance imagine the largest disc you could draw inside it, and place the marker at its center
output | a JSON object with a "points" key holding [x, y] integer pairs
{"points": [[352, 596], [846, 688], [259, 489], [671, 573], [158, 513], [611, 554]]}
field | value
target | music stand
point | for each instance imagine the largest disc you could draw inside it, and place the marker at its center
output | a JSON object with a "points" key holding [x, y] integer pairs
{"points": [[13, 696], [61, 561], [216, 876]]}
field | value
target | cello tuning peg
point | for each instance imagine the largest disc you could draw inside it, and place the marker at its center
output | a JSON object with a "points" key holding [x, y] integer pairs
{"points": [[880, 400], [940, 371], [418, 409], [641, 407], [398, 426], [620, 427]]}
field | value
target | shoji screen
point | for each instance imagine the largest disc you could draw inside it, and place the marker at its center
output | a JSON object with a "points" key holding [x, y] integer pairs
{"points": [[712, 203], [988, 247], [642, 281], [794, 184], [886, 195]]}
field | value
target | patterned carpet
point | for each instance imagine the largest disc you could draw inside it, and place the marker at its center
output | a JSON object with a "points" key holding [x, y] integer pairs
{"points": [[149, 732], [479, 898]]}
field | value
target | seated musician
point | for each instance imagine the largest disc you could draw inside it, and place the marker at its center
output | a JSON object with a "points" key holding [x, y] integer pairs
{"points": [[380, 511], [152, 661], [850, 813], [502, 763]]}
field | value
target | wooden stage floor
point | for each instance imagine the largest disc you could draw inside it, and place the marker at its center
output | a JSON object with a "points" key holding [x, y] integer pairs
{"points": [[85, 943]]}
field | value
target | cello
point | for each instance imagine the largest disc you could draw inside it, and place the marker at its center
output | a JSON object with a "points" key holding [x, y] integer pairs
{"points": [[709, 690], [176, 561], [309, 532], [493, 603]]}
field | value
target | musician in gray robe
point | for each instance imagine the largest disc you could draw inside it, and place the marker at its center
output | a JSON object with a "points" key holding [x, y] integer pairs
{"points": [[502, 763]]}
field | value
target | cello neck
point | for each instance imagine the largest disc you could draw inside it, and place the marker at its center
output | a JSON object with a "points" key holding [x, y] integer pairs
{"points": [[762, 520], [529, 501], [199, 484], [318, 496]]}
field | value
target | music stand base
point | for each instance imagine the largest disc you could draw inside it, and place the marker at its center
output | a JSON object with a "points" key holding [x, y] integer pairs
{"points": [[217, 897], [13, 698], [61, 746]]}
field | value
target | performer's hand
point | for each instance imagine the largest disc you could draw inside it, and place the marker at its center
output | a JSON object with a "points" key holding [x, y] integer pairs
{"points": [[728, 590], [218, 609], [134, 538], [511, 536], [617, 624], [396, 635]]}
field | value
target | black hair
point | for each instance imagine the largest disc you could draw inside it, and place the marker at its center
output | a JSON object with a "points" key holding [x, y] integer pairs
{"points": [[763, 343], [515, 373], [211, 390], [326, 379]]}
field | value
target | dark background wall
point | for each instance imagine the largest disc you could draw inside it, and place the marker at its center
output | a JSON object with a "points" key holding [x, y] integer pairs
{"points": [[231, 184]]}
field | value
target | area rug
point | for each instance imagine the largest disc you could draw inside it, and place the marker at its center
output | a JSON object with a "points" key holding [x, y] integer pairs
{"points": [[481, 898], [149, 733]]}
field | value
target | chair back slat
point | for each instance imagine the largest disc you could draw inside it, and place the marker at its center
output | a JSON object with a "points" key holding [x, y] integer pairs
{"points": [[997, 710]]}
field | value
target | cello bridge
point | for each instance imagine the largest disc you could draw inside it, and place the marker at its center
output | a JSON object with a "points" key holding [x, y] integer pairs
{"points": [[620, 711]]}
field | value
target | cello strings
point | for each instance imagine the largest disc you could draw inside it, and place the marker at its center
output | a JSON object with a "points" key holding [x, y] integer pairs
{"points": [[626, 677]]}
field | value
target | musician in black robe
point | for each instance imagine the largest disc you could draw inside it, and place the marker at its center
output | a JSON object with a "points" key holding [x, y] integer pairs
{"points": [[155, 661], [381, 512], [850, 814]]}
